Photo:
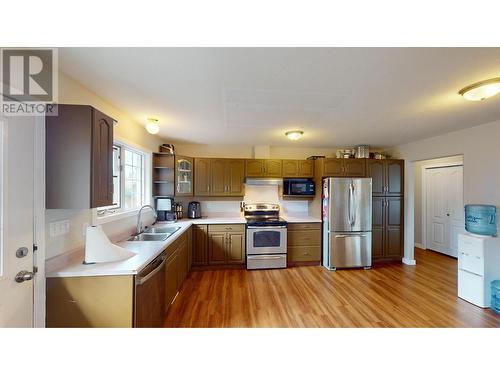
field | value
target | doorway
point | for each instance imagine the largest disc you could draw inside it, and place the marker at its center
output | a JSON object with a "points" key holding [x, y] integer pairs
{"points": [[442, 206]]}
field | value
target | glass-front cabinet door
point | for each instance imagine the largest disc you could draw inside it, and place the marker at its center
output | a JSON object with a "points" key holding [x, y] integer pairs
{"points": [[183, 176]]}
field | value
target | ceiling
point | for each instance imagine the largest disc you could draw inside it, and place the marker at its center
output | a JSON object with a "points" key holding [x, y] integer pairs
{"points": [[337, 96]]}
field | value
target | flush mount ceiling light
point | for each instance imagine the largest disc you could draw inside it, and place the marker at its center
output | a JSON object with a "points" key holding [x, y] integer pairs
{"points": [[152, 126], [481, 90], [294, 135]]}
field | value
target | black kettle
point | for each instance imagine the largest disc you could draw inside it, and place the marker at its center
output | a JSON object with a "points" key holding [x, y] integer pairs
{"points": [[194, 210]]}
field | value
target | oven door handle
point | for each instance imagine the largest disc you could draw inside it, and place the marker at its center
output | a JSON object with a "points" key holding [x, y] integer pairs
{"points": [[268, 228], [265, 257]]}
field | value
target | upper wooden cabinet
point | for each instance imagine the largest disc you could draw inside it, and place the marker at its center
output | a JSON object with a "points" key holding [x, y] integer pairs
{"points": [[184, 167], [344, 167], [298, 168], [201, 177], [219, 177], [387, 176], [79, 158], [264, 168], [235, 177]]}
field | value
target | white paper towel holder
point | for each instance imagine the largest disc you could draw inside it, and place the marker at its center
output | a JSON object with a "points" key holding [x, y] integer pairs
{"points": [[99, 249]]}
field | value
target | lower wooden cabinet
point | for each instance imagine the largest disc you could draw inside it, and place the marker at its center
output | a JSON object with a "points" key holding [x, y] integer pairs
{"points": [[171, 276], [235, 252], [90, 301], [120, 301], [176, 268], [226, 244], [387, 228], [217, 248], [200, 245], [304, 243]]}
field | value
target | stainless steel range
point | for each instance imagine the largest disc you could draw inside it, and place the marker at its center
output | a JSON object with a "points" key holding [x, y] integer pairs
{"points": [[266, 236]]}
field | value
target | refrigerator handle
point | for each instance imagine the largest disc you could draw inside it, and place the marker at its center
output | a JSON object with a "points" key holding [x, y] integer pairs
{"points": [[352, 213]]}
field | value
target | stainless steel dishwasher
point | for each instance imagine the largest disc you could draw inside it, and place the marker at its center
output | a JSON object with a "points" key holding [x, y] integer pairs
{"points": [[150, 294]]}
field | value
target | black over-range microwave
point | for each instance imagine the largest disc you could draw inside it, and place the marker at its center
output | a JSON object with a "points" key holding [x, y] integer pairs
{"points": [[298, 186]]}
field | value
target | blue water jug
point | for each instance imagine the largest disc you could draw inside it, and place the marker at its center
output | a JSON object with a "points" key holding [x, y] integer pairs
{"points": [[481, 219], [495, 296]]}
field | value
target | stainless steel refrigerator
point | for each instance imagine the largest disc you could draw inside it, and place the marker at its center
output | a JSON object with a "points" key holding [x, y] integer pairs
{"points": [[347, 222]]}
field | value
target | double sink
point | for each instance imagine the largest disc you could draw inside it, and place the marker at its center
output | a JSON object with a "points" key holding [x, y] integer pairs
{"points": [[155, 234]]}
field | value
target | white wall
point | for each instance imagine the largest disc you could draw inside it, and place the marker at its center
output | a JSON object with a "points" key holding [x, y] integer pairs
{"points": [[417, 170], [480, 147]]}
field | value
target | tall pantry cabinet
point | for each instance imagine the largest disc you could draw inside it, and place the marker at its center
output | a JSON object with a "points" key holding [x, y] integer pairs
{"points": [[388, 208]]}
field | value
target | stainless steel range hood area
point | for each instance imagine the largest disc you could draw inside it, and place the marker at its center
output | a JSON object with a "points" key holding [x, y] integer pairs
{"points": [[264, 181]]}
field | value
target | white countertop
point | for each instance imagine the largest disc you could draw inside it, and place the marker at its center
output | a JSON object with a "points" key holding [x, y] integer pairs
{"points": [[146, 251], [301, 219]]}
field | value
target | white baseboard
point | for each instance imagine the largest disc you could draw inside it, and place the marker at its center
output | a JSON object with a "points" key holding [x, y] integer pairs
{"points": [[409, 262], [419, 245]]}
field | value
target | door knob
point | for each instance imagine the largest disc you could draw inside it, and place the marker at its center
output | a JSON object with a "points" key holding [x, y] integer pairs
{"points": [[24, 276]]}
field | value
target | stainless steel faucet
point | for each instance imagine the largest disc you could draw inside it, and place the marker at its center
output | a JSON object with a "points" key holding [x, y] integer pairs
{"points": [[139, 223]]}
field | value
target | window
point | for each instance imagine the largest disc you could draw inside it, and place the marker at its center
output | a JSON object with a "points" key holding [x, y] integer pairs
{"points": [[129, 180]]}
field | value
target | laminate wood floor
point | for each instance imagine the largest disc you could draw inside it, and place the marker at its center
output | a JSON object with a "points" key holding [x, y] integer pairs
{"points": [[393, 295]]}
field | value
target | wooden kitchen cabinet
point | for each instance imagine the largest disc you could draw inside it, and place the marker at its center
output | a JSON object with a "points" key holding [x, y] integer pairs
{"points": [[217, 248], [219, 177], [395, 177], [176, 268], [304, 243], [235, 252], [264, 168], [183, 262], [202, 177], [200, 245], [354, 167], [376, 169], [91, 301], [236, 177], [226, 244], [344, 167], [387, 208], [227, 177], [184, 176], [298, 168], [254, 167], [218, 184], [272, 168], [79, 158], [387, 228], [171, 279], [387, 176]]}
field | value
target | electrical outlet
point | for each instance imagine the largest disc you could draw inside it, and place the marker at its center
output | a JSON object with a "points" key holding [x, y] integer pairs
{"points": [[59, 228]]}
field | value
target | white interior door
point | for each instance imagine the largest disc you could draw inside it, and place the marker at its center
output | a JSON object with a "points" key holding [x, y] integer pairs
{"points": [[16, 215], [445, 205]]}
